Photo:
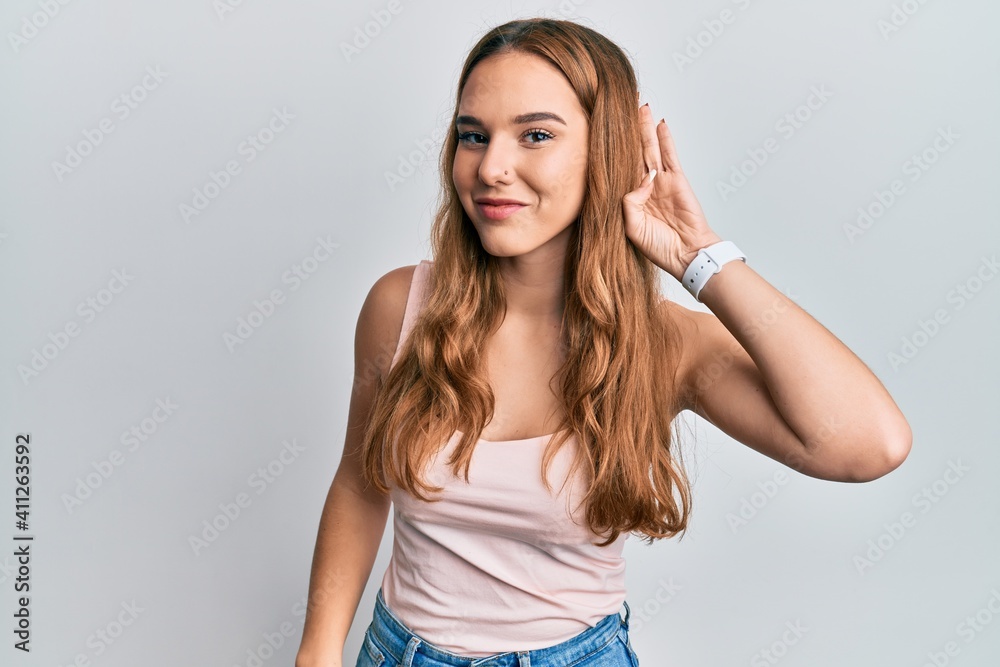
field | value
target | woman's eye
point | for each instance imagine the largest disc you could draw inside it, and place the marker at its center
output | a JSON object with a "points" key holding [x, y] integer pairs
{"points": [[542, 133], [467, 136]]}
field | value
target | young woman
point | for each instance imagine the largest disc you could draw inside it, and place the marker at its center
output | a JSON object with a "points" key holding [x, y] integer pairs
{"points": [[522, 427]]}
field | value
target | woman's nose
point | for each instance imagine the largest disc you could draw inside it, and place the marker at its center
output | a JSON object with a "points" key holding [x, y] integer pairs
{"points": [[496, 165]]}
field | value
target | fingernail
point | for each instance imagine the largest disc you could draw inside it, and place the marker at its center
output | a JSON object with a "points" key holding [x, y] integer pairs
{"points": [[651, 175]]}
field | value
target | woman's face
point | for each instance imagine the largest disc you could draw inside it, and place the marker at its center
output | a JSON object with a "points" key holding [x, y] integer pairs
{"points": [[522, 137]]}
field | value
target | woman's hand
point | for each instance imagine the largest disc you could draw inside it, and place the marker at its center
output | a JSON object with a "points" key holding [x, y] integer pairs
{"points": [[662, 216]]}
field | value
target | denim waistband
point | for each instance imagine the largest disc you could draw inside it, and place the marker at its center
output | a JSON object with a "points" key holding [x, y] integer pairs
{"points": [[402, 642]]}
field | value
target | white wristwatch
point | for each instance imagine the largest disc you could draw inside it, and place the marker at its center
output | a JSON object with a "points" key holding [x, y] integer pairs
{"points": [[707, 263]]}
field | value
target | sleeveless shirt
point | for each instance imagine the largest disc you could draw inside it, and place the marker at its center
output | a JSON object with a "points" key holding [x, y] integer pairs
{"points": [[501, 563]]}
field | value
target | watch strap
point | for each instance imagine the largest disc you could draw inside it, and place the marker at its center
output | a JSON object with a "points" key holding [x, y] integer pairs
{"points": [[707, 263]]}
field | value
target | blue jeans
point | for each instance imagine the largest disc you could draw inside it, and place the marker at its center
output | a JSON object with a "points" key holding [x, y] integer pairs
{"points": [[389, 643]]}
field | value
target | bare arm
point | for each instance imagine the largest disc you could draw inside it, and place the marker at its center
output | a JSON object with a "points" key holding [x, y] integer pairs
{"points": [[760, 368], [772, 377], [353, 519]]}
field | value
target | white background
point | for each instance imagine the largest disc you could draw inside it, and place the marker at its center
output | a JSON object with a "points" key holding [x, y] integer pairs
{"points": [[719, 596]]}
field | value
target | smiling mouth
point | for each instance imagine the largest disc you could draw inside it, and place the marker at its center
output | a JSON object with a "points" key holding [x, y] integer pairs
{"points": [[499, 211]]}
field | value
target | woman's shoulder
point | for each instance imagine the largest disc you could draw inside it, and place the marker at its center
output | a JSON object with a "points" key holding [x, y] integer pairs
{"points": [[391, 284], [381, 319], [701, 334], [386, 300], [682, 315]]}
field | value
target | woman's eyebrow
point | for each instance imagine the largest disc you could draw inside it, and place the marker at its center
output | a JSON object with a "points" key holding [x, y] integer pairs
{"points": [[532, 117]]}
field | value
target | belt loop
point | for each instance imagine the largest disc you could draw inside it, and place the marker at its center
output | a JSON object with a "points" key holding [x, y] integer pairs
{"points": [[411, 651], [627, 613], [522, 659]]}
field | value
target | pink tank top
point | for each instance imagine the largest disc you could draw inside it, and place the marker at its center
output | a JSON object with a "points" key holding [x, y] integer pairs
{"points": [[499, 564]]}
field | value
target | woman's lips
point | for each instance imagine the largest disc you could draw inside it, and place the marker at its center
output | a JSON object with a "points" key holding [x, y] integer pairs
{"points": [[499, 212]]}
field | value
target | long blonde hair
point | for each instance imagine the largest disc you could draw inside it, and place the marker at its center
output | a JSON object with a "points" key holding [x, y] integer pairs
{"points": [[622, 349]]}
